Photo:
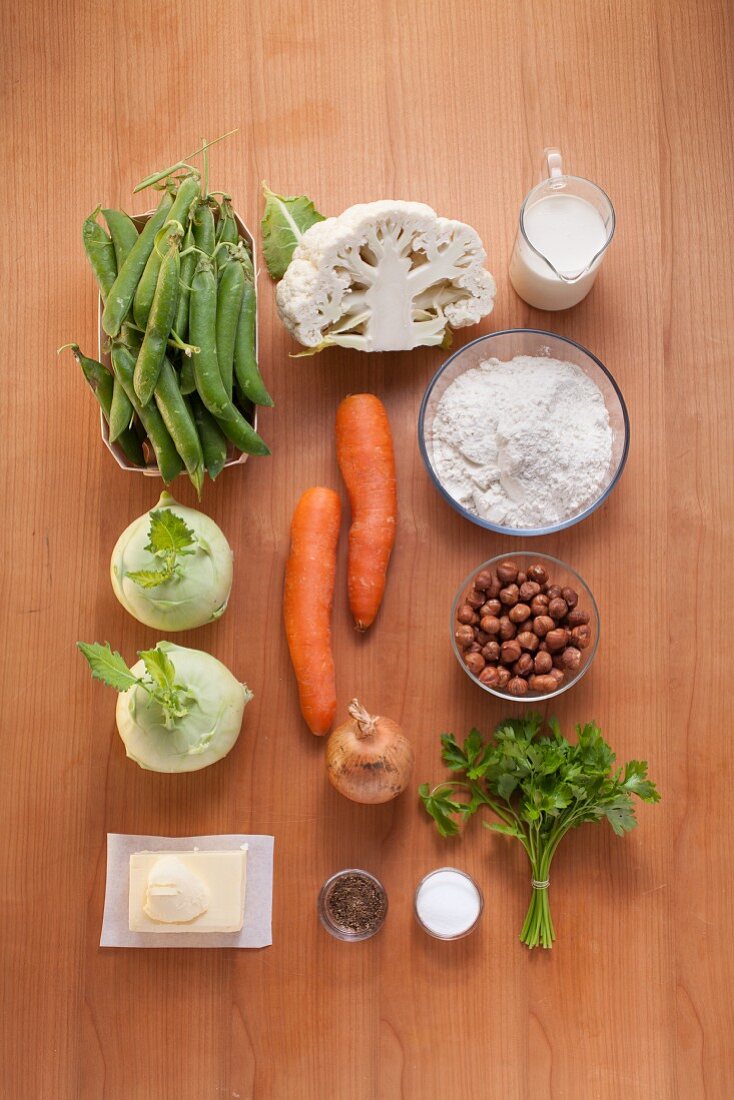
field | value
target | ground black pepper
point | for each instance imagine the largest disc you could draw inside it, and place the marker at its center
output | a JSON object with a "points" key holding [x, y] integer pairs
{"points": [[356, 904]]}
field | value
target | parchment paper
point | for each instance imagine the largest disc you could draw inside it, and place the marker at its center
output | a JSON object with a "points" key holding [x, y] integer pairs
{"points": [[256, 930]]}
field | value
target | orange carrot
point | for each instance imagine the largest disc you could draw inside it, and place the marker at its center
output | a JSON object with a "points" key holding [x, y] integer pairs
{"points": [[365, 455], [309, 592]]}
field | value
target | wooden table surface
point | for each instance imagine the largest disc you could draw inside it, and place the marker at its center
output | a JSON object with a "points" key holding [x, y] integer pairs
{"points": [[450, 103]]}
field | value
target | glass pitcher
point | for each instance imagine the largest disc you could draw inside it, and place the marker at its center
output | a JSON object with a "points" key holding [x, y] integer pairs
{"points": [[566, 225]]}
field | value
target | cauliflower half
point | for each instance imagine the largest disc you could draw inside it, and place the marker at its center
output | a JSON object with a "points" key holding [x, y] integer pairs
{"points": [[384, 276]]}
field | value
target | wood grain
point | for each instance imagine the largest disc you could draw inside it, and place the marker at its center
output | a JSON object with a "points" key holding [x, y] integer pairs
{"points": [[450, 103]]}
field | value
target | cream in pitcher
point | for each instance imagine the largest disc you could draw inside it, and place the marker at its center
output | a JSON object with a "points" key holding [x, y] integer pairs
{"points": [[566, 224]]}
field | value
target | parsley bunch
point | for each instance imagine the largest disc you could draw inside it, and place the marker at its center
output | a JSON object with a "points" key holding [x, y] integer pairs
{"points": [[539, 787]]}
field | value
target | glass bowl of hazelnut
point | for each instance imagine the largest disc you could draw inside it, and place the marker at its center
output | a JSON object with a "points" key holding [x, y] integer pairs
{"points": [[524, 626]]}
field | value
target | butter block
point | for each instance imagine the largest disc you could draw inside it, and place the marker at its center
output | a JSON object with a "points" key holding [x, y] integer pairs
{"points": [[187, 891]]}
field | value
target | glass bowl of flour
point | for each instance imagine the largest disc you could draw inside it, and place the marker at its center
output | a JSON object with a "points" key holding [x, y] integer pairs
{"points": [[524, 432]]}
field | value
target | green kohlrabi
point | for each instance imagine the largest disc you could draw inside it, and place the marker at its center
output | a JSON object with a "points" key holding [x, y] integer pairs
{"points": [[179, 710], [172, 568]]}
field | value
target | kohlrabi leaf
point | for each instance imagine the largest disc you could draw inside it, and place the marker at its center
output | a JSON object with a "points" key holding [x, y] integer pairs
{"points": [[169, 534], [286, 219], [107, 665], [169, 537], [162, 685], [150, 578], [159, 668]]}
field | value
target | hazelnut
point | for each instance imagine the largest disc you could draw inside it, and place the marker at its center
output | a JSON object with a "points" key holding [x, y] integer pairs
{"points": [[528, 640], [539, 605], [491, 651], [473, 647], [577, 617], [581, 636], [519, 613], [542, 648], [537, 573], [529, 589], [556, 639], [475, 599], [465, 614], [510, 651], [464, 634], [474, 662], [523, 666], [571, 658], [494, 607], [557, 675], [542, 624], [480, 637], [507, 629], [557, 608], [558, 661], [483, 580], [494, 589], [554, 591], [489, 676], [521, 577], [570, 596], [490, 624], [510, 595], [517, 686], [507, 571], [503, 677], [543, 663], [542, 683]]}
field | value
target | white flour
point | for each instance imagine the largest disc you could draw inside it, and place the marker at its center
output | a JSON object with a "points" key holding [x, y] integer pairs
{"points": [[523, 444]]}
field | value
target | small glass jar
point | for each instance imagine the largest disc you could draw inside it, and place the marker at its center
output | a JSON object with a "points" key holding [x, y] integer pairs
{"points": [[339, 931], [461, 881]]}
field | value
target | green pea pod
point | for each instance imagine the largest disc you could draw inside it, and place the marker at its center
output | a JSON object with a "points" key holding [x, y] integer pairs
{"points": [[167, 457], [213, 440], [160, 320], [204, 231], [227, 226], [101, 383], [180, 424], [121, 294], [188, 265], [187, 194], [100, 253], [123, 232], [227, 233], [187, 380], [202, 332], [249, 379], [121, 412], [229, 300]]}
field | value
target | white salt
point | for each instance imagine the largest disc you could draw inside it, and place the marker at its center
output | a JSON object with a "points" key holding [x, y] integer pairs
{"points": [[448, 903]]}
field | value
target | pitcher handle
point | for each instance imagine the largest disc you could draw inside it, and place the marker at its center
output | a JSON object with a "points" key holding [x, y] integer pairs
{"points": [[553, 163]]}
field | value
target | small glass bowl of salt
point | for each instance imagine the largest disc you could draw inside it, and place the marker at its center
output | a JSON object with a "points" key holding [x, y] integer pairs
{"points": [[448, 904]]}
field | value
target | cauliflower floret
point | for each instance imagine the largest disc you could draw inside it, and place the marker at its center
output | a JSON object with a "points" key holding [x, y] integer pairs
{"points": [[384, 276]]}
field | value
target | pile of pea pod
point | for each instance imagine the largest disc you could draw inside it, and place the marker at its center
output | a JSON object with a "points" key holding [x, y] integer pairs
{"points": [[179, 311]]}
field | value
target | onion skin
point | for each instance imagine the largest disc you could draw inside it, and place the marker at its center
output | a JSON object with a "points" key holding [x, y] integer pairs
{"points": [[368, 758]]}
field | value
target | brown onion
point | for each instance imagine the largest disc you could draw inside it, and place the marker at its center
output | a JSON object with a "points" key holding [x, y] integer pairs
{"points": [[368, 758]]}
